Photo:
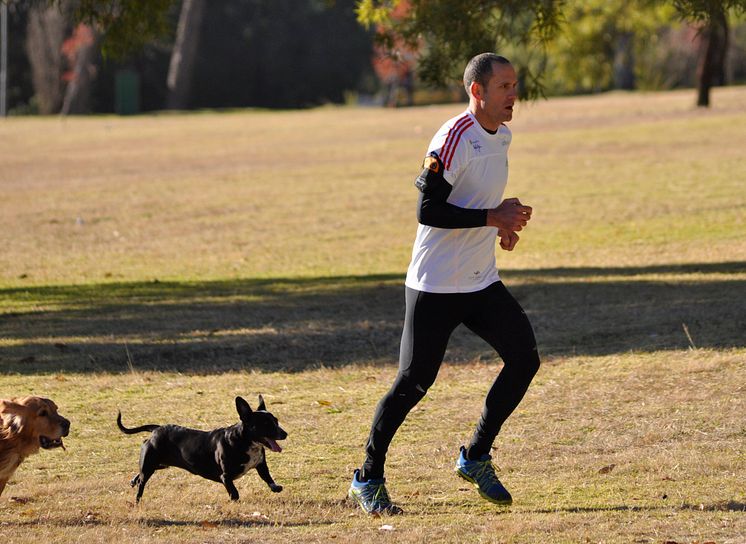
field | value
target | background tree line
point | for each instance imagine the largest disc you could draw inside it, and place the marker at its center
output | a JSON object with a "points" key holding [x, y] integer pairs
{"points": [[279, 54], [575, 40], [69, 55]]}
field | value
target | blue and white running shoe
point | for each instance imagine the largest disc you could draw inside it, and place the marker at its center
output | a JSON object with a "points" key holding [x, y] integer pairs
{"points": [[372, 496], [482, 474]]}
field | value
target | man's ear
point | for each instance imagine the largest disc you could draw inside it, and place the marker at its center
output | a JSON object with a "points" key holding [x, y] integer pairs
{"points": [[475, 90], [243, 408]]}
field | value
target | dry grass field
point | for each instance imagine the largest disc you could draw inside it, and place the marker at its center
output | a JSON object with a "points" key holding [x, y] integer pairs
{"points": [[164, 264]]}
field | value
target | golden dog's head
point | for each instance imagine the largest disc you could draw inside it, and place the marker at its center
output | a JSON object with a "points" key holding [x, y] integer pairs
{"points": [[33, 422]]}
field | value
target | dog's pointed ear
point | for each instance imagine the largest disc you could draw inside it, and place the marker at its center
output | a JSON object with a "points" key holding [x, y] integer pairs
{"points": [[243, 408], [261, 404]]}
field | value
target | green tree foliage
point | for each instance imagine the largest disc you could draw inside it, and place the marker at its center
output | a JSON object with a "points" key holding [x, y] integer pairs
{"points": [[448, 33], [126, 25], [560, 45], [603, 39], [703, 10]]}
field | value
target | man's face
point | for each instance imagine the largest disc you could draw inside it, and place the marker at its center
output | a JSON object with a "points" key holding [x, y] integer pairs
{"points": [[500, 93]]}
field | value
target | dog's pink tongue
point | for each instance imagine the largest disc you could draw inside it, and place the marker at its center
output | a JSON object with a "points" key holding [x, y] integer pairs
{"points": [[274, 446]]}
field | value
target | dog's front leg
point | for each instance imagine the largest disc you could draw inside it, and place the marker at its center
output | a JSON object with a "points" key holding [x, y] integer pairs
{"points": [[263, 471], [228, 483], [223, 463]]}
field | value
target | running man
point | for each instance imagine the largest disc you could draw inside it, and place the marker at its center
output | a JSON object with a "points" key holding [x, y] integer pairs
{"points": [[453, 279]]}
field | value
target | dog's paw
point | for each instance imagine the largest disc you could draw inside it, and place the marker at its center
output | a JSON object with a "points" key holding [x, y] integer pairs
{"points": [[275, 488]]}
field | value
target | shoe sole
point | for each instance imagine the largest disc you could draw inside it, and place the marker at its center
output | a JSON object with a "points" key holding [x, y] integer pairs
{"points": [[482, 493]]}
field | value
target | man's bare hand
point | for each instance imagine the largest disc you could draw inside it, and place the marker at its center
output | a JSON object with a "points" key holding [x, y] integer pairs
{"points": [[510, 215], [508, 239]]}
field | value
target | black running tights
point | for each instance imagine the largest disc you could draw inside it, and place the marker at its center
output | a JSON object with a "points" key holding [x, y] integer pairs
{"points": [[430, 318]]}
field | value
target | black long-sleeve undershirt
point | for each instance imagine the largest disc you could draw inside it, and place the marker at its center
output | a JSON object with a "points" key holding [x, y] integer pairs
{"points": [[434, 210]]}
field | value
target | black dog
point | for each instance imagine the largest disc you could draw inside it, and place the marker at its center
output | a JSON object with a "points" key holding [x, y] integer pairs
{"points": [[222, 455]]}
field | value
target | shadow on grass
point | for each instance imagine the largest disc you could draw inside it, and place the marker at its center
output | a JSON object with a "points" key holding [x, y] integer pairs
{"points": [[725, 506], [294, 324], [158, 522], [229, 523], [61, 523]]}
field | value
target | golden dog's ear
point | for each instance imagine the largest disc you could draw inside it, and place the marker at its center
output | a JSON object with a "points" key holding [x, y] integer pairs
{"points": [[12, 415], [44, 407]]}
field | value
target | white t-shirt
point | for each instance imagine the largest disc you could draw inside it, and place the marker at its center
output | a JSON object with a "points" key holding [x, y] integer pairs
{"points": [[476, 165]]}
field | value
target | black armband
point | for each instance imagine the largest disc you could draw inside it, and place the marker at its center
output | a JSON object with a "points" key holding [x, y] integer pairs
{"points": [[433, 207], [431, 176]]}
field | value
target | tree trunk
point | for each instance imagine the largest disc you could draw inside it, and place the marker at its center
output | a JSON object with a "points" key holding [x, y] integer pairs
{"points": [[624, 62], [184, 53], [45, 33], [711, 69], [78, 93]]}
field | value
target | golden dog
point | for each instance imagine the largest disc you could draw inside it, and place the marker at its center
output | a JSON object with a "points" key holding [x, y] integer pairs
{"points": [[27, 424]]}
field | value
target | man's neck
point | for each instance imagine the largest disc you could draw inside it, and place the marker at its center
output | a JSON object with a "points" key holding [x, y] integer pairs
{"points": [[487, 124]]}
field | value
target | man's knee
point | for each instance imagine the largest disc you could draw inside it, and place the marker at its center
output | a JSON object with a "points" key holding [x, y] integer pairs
{"points": [[409, 391], [533, 363], [526, 362]]}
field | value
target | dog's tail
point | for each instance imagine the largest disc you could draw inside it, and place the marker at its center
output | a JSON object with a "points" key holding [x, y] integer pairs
{"points": [[142, 429]]}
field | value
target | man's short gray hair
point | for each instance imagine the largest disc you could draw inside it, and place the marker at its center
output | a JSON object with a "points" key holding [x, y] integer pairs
{"points": [[479, 69]]}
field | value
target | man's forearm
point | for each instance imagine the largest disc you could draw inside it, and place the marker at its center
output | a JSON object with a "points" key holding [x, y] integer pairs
{"points": [[441, 214]]}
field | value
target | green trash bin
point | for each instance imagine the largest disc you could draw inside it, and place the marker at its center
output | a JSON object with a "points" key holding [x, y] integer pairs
{"points": [[127, 92]]}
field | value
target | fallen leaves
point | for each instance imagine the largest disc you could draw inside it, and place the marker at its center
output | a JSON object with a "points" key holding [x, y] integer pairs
{"points": [[330, 408]]}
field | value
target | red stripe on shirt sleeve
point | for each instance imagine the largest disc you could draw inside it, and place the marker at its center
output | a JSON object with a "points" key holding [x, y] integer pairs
{"points": [[451, 135], [457, 139]]}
